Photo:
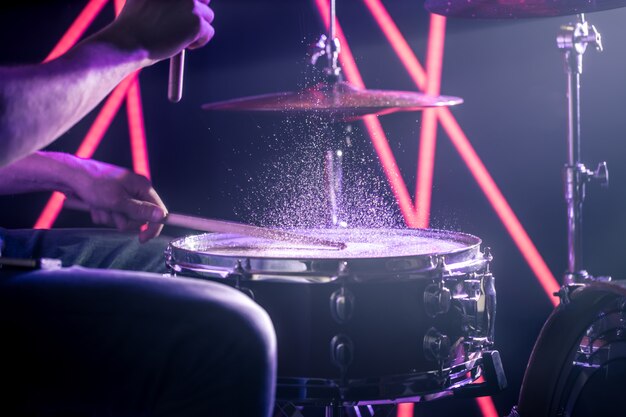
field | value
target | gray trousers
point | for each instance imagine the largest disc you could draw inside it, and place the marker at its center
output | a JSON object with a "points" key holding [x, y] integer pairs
{"points": [[95, 341]]}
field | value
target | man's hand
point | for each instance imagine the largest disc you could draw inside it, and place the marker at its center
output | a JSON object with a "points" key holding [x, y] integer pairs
{"points": [[115, 196], [118, 197], [162, 28]]}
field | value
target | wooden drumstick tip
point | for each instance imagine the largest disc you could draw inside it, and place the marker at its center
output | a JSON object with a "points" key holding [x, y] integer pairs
{"points": [[175, 81]]}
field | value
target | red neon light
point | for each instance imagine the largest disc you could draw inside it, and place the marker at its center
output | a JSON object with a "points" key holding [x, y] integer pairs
{"points": [[134, 112], [428, 137], [77, 28], [374, 128], [405, 410], [425, 168], [487, 408], [51, 211], [87, 148], [499, 203], [105, 117], [118, 5], [392, 172], [138, 147]]}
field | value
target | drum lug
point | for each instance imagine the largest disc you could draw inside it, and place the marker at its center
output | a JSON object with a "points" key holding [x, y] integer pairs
{"points": [[490, 305], [341, 351], [342, 305], [440, 268], [436, 345], [488, 256], [343, 271], [437, 300], [240, 273]]}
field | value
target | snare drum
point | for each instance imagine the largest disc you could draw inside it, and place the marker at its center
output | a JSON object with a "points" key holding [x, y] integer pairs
{"points": [[399, 314]]}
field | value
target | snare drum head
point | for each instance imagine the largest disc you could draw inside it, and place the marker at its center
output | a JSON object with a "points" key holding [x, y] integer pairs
{"points": [[367, 252]]}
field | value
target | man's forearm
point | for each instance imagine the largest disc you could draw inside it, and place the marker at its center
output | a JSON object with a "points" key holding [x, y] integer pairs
{"points": [[41, 102], [41, 171]]}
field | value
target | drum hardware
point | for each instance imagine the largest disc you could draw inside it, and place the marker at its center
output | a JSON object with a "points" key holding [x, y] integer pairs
{"points": [[437, 300], [437, 297], [573, 41], [342, 352], [342, 305], [493, 373], [436, 347], [578, 362], [353, 321], [240, 273], [333, 170]]}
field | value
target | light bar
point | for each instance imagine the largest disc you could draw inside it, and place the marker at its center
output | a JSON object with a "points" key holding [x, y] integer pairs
{"points": [[76, 30], [428, 136], [138, 143]]}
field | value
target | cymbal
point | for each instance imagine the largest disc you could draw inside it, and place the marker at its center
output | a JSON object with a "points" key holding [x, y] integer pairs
{"points": [[513, 9], [339, 100]]}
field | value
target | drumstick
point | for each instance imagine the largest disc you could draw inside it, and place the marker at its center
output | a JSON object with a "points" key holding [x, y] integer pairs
{"points": [[222, 226], [175, 81]]}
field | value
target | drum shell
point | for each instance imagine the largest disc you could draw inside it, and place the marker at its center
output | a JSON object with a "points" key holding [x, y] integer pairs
{"points": [[386, 327]]}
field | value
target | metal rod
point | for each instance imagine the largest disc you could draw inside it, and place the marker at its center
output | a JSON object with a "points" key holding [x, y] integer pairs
{"points": [[334, 185], [332, 45], [574, 181], [573, 41], [332, 30]]}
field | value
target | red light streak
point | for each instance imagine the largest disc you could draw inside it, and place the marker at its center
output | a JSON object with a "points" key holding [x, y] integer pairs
{"points": [[51, 211], [428, 137], [487, 408], [118, 4], [405, 410], [138, 146], [499, 203], [76, 30]]}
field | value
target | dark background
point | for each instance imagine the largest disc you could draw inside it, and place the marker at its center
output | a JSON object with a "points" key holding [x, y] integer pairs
{"points": [[509, 73]]}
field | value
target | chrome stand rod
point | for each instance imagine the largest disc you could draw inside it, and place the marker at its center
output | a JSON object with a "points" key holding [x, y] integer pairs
{"points": [[573, 40]]}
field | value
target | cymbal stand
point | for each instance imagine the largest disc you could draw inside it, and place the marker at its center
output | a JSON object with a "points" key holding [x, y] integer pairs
{"points": [[333, 158], [573, 40]]}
